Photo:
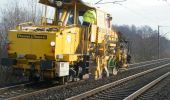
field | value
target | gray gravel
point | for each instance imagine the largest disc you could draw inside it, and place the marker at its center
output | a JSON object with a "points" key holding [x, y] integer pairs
{"points": [[62, 93], [161, 91], [125, 89]]}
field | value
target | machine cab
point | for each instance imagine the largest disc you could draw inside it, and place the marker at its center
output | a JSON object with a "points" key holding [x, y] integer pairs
{"points": [[70, 12]]}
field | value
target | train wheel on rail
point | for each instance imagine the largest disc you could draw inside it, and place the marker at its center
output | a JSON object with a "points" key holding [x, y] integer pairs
{"points": [[63, 80], [34, 77]]}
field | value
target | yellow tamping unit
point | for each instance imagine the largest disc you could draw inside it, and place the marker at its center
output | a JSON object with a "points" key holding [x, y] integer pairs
{"points": [[63, 48]]}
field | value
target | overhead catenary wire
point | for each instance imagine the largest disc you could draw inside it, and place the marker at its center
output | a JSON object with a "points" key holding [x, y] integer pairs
{"points": [[164, 27], [165, 33], [139, 5], [153, 20], [100, 2], [137, 13]]}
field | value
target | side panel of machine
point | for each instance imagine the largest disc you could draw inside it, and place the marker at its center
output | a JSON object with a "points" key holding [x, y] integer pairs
{"points": [[30, 43], [62, 69], [68, 44]]}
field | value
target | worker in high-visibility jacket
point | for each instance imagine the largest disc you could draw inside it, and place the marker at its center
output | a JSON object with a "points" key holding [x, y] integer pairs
{"points": [[89, 17], [112, 65]]}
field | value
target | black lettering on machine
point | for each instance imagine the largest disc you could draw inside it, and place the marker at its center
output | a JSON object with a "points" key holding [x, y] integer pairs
{"points": [[31, 36]]}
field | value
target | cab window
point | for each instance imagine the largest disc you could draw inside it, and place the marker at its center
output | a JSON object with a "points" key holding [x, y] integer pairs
{"points": [[70, 20], [80, 17]]}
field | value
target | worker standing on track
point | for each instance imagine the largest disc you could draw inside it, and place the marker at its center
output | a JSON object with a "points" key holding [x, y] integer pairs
{"points": [[89, 17]]}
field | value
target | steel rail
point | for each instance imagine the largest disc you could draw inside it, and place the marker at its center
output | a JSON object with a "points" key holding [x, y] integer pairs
{"points": [[22, 96], [14, 86], [145, 65], [146, 87], [21, 85], [99, 89], [149, 61], [40, 91]]}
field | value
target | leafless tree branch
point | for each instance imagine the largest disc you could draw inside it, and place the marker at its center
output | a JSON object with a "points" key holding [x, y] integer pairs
{"points": [[98, 1], [114, 2]]}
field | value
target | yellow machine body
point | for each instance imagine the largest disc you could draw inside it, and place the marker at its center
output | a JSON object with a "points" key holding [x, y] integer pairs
{"points": [[49, 47], [34, 43]]}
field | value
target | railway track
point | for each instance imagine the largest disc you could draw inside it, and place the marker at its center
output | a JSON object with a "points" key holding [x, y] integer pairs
{"points": [[128, 88], [148, 62], [2, 90], [160, 91], [24, 91], [147, 87], [12, 91]]}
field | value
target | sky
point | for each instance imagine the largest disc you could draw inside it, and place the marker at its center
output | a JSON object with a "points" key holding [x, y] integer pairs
{"points": [[135, 12], [140, 13]]}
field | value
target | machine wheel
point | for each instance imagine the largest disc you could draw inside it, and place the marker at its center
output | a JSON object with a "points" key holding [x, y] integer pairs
{"points": [[62, 80], [30, 78], [71, 78], [34, 77]]}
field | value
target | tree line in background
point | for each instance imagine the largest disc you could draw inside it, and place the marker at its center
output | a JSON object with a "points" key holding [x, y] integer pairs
{"points": [[13, 14], [144, 42]]}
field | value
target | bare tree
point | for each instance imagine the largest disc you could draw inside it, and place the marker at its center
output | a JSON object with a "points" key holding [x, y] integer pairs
{"points": [[35, 11], [144, 42], [11, 16], [14, 14]]}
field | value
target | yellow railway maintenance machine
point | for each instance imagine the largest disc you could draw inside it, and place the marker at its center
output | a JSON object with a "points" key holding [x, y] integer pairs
{"points": [[62, 48]]}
